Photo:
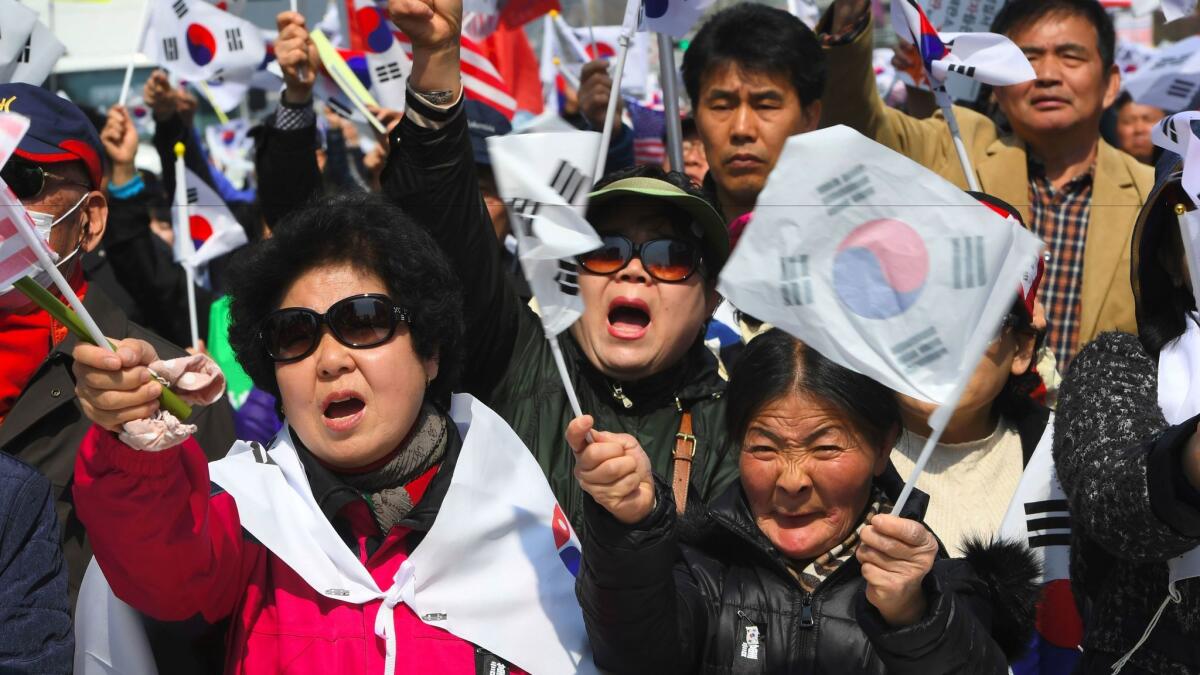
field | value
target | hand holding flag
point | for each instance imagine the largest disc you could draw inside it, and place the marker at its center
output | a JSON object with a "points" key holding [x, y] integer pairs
{"points": [[905, 280]]}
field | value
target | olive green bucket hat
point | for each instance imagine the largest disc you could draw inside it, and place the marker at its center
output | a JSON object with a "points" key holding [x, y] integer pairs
{"points": [[707, 224]]}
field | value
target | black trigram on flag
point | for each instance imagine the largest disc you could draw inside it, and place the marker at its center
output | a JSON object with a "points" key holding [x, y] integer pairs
{"points": [[233, 39], [961, 69], [919, 350], [180, 7], [386, 72], [23, 56], [1168, 127], [170, 48], [339, 108], [1171, 61], [846, 190], [970, 269], [567, 277], [523, 211], [193, 195], [569, 181], [797, 284], [217, 77], [1048, 523], [1181, 89]]}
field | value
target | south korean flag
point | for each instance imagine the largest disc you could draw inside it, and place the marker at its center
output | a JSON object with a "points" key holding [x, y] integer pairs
{"points": [[388, 63], [196, 41], [541, 178], [35, 59]]}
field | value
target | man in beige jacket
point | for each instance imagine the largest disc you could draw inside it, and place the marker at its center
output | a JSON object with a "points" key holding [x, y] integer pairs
{"points": [[1078, 193]]}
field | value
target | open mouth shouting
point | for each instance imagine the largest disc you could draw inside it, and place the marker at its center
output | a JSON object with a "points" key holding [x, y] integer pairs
{"points": [[343, 410], [628, 318]]}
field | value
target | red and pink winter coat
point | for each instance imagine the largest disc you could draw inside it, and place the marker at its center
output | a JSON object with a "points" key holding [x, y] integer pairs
{"points": [[172, 546]]}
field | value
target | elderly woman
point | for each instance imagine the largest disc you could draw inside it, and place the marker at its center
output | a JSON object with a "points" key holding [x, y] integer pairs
{"points": [[350, 317], [797, 568]]}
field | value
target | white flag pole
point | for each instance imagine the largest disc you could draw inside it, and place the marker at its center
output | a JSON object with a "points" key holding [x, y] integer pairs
{"points": [[937, 424], [568, 36], [567, 75], [141, 36], [666, 65], [561, 364], [628, 26], [184, 230], [300, 70], [587, 10], [947, 105]]}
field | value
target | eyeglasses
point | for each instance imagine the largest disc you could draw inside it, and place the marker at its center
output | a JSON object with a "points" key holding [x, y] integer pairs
{"points": [[27, 180], [359, 322], [669, 260]]}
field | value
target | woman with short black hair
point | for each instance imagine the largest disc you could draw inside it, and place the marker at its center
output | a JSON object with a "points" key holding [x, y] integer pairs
{"points": [[798, 567], [351, 316]]}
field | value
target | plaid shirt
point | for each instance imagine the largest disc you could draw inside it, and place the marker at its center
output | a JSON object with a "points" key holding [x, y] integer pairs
{"points": [[1060, 218]]}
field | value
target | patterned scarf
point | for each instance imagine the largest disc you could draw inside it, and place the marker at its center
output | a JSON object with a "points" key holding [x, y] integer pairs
{"points": [[385, 486], [819, 569]]}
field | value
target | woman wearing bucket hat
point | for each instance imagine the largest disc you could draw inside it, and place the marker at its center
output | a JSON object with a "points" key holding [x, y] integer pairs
{"points": [[636, 357], [1128, 456]]}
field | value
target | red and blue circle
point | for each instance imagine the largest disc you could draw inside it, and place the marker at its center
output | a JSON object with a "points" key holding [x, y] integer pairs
{"points": [[201, 45], [376, 28], [880, 269], [564, 541], [199, 228]]}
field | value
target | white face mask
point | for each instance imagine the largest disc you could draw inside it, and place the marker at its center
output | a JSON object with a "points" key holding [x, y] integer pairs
{"points": [[10, 298]]}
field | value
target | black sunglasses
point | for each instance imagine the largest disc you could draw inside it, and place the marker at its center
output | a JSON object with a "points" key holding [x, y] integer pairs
{"points": [[27, 179], [359, 322], [670, 260]]}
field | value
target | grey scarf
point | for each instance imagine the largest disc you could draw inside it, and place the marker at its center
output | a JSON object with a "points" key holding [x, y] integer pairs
{"points": [[385, 486]]}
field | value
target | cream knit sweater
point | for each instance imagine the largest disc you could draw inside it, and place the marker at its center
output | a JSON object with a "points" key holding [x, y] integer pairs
{"points": [[969, 484]]}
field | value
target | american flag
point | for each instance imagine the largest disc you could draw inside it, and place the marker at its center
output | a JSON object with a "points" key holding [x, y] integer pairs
{"points": [[649, 126], [481, 80]]}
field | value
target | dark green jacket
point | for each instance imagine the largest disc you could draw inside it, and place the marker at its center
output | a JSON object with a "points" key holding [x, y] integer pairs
{"points": [[508, 364]]}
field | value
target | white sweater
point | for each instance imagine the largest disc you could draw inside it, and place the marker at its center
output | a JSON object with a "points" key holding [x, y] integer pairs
{"points": [[969, 484]]}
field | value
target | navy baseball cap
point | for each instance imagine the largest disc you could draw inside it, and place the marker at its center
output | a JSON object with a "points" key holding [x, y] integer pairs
{"points": [[58, 130], [484, 121]]}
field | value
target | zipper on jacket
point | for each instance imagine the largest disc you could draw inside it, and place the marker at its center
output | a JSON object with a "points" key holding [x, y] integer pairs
{"points": [[619, 394], [806, 613]]}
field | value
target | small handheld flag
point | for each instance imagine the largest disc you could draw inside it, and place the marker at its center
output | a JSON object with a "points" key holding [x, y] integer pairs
{"points": [[185, 248], [984, 57], [905, 281], [542, 181]]}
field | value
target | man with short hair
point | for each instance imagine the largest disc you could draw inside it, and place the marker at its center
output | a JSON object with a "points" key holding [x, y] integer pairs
{"points": [[1077, 193], [636, 356], [57, 172], [755, 76]]}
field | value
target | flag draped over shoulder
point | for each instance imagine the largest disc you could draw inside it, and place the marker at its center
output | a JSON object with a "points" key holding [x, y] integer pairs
{"points": [[497, 568], [542, 180], [877, 263]]}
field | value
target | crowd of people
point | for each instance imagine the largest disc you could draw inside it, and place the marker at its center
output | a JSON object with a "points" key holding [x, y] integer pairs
{"points": [[731, 487]]}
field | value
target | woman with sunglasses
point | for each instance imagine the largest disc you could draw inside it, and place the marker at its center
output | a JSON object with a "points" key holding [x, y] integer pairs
{"points": [[636, 356], [350, 316]]}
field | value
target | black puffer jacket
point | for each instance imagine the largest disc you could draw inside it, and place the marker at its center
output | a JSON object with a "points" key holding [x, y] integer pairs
{"points": [[1131, 509], [712, 595]]}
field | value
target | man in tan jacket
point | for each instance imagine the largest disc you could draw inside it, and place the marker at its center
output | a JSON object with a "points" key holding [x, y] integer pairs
{"points": [[1078, 193]]}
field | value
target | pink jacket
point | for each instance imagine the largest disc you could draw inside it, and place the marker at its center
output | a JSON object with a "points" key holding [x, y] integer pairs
{"points": [[172, 550]]}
